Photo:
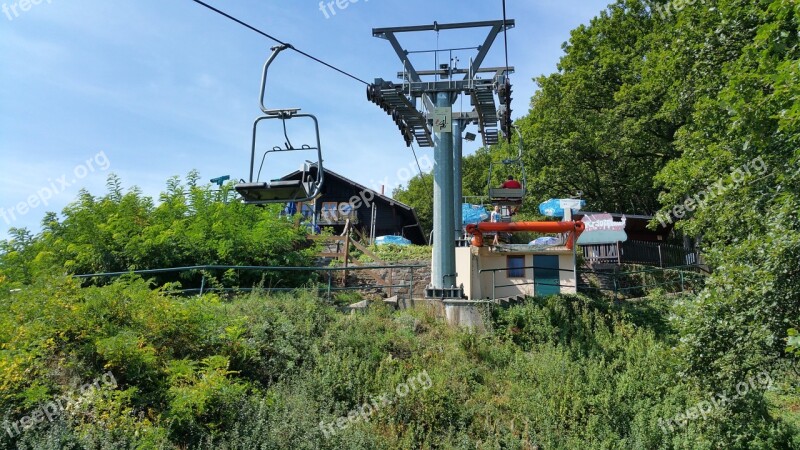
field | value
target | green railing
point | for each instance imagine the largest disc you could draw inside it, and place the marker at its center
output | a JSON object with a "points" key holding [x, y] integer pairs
{"points": [[328, 275], [685, 276]]}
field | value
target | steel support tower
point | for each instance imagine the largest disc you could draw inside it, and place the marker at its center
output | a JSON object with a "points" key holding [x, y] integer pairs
{"points": [[422, 110]]}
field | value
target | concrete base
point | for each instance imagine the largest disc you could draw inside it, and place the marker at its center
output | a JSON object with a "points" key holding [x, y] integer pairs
{"points": [[444, 293], [364, 304], [460, 313], [465, 313]]}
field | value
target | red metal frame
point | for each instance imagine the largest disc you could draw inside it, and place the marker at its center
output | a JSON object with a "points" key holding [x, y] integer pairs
{"points": [[574, 228]]}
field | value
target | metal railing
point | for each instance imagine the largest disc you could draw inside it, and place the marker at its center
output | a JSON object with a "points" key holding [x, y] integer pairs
{"points": [[327, 271], [656, 254], [686, 276], [534, 282]]}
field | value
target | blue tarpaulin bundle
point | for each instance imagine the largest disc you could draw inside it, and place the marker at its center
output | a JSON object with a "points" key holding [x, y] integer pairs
{"points": [[555, 207], [547, 240], [290, 209], [394, 240], [473, 213]]}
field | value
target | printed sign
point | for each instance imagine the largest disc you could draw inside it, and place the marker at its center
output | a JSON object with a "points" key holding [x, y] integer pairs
{"points": [[571, 203], [443, 119], [601, 229]]}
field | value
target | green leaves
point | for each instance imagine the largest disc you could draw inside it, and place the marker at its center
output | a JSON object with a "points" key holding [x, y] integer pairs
{"points": [[127, 231], [750, 233], [604, 123], [793, 341]]}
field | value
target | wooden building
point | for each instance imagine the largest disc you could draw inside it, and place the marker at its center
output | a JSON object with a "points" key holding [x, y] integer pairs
{"points": [[642, 245], [373, 213]]}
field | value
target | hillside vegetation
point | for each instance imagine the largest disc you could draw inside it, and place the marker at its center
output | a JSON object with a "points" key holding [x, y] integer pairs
{"points": [[265, 372], [691, 115], [189, 226]]}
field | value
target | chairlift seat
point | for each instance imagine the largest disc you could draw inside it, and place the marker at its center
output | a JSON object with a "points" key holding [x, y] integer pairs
{"points": [[506, 197], [274, 191], [307, 187]]}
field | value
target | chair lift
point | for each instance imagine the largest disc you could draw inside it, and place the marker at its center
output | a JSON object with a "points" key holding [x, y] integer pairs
{"points": [[309, 185], [506, 196]]}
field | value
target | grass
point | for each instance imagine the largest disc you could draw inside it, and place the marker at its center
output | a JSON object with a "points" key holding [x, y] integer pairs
{"points": [[398, 253]]}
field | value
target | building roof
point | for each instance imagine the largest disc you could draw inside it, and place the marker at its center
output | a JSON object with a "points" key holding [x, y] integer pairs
{"points": [[360, 186]]}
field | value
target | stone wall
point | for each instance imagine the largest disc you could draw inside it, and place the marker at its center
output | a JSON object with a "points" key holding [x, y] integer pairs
{"points": [[399, 276]]}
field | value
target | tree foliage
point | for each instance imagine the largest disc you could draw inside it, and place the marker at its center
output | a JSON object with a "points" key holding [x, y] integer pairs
{"points": [[123, 231], [750, 231]]}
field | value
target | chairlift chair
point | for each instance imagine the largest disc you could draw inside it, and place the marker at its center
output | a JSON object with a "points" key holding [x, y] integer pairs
{"points": [[309, 185], [506, 196]]}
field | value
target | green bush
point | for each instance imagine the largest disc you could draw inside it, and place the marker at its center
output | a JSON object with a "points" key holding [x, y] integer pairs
{"points": [[127, 231]]}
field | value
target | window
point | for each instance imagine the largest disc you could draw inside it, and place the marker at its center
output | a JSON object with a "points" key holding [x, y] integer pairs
{"points": [[515, 266], [307, 210], [346, 211], [329, 212]]}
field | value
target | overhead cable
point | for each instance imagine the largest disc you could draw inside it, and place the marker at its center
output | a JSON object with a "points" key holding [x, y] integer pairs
{"points": [[268, 36]]}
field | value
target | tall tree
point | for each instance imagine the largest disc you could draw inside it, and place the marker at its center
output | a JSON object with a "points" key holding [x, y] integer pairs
{"points": [[738, 181]]}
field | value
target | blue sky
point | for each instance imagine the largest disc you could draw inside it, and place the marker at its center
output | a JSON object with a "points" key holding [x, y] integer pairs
{"points": [[148, 89]]}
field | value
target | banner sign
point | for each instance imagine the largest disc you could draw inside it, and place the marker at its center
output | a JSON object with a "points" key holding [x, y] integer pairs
{"points": [[601, 229]]}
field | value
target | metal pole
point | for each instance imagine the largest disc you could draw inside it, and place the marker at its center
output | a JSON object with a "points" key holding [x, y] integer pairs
{"points": [[329, 287], [458, 129], [494, 283], [568, 217], [391, 281], [410, 288], [444, 246], [372, 218]]}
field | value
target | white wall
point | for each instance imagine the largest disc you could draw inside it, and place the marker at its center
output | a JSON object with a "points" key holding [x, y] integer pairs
{"points": [[567, 279], [470, 260]]}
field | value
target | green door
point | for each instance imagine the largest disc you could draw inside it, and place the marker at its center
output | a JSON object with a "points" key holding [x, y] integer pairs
{"points": [[545, 275]]}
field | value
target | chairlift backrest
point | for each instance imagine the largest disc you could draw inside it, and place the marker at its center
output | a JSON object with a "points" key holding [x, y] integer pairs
{"points": [[503, 196]]}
